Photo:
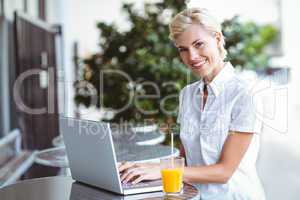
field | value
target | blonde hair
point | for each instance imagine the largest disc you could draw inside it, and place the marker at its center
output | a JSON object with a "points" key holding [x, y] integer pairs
{"points": [[199, 16]]}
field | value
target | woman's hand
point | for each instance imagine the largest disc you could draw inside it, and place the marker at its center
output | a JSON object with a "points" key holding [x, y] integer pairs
{"points": [[137, 172]]}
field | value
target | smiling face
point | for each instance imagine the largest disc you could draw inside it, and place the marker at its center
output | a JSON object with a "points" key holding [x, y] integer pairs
{"points": [[199, 50]]}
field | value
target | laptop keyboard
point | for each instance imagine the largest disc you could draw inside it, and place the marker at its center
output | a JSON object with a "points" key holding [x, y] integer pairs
{"points": [[142, 184]]}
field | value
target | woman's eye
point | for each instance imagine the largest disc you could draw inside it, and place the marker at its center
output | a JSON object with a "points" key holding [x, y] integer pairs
{"points": [[199, 44], [181, 49]]}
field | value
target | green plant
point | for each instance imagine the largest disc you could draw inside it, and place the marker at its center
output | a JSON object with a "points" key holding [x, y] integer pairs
{"points": [[146, 54], [246, 43]]}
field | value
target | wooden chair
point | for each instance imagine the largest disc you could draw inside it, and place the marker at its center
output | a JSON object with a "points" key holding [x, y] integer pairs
{"points": [[14, 161]]}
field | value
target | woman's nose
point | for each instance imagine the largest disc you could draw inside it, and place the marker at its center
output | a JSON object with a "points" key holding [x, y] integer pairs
{"points": [[193, 55]]}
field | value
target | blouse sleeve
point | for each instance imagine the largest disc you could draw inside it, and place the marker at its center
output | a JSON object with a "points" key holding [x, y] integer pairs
{"points": [[246, 115]]}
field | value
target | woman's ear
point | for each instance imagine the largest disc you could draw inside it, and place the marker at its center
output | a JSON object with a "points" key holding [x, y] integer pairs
{"points": [[218, 37]]}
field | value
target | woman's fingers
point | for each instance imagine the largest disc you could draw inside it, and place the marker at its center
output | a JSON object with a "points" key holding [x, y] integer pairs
{"points": [[134, 173], [138, 172], [138, 179], [125, 174], [124, 166]]}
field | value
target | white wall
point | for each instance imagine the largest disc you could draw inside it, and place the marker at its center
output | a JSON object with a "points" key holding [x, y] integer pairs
{"points": [[10, 6], [291, 32], [260, 11], [78, 19]]}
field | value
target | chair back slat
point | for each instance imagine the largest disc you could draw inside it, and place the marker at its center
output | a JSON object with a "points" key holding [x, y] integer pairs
{"points": [[10, 146]]}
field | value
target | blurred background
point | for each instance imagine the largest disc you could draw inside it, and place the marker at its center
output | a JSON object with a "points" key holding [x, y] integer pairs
{"points": [[53, 52]]}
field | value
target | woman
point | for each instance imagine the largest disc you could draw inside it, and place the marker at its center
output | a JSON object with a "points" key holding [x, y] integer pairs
{"points": [[218, 126]]}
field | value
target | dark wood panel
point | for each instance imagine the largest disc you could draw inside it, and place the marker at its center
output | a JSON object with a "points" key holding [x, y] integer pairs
{"points": [[42, 9], [34, 38]]}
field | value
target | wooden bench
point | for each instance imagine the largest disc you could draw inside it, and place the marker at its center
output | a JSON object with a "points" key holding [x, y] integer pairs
{"points": [[14, 162]]}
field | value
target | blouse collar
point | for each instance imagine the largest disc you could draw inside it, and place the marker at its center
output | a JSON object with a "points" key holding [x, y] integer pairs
{"points": [[217, 84]]}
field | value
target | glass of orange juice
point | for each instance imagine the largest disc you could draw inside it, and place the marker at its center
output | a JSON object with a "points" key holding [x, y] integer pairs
{"points": [[171, 174]]}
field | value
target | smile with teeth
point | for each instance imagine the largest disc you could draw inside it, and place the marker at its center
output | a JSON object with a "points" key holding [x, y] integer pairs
{"points": [[199, 63]]}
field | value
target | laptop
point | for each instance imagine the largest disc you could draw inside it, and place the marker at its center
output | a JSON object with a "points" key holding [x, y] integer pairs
{"points": [[92, 157]]}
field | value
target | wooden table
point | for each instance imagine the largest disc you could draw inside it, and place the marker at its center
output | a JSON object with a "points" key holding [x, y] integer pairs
{"points": [[65, 188]]}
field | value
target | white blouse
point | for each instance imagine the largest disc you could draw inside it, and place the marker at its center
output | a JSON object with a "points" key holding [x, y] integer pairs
{"points": [[230, 106]]}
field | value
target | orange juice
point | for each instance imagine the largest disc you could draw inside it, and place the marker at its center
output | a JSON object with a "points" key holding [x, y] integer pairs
{"points": [[172, 179]]}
